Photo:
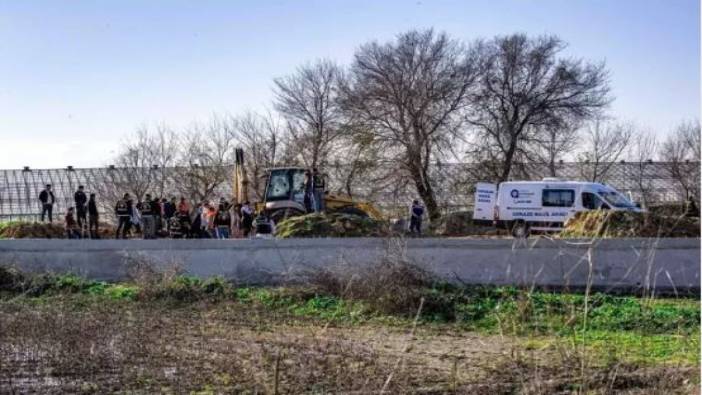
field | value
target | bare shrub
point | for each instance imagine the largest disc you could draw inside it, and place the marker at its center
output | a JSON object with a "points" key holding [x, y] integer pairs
{"points": [[143, 270], [391, 285], [11, 279], [157, 280]]}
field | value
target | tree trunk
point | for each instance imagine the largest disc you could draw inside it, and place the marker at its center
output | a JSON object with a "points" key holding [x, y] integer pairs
{"points": [[426, 193], [507, 164], [552, 167]]}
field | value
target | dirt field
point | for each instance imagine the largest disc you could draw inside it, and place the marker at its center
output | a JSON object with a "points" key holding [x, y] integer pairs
{"points": [[80, 343]]}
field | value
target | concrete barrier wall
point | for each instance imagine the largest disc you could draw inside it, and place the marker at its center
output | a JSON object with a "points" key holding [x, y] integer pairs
{"points": [[670, 265]]}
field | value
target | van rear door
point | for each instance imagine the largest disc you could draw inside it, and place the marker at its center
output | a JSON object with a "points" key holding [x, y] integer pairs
{"points": [[485, 198]]}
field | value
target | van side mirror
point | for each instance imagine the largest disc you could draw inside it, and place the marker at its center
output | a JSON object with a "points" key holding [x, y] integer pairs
{"points": [[638, 204]]}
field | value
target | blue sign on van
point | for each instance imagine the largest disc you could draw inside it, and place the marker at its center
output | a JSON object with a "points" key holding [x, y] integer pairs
{"points": [[514, 193]]}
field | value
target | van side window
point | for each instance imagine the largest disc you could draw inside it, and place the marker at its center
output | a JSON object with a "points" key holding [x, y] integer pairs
{"points": [[558, 197]]}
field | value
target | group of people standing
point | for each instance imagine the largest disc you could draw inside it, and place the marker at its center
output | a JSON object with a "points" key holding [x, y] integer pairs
{"points": [[177, 219], [157, 217], [152, 217], [81, 220]]}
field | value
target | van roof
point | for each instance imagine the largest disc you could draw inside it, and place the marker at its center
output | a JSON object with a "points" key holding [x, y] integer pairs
{"points": [[574, 183]]}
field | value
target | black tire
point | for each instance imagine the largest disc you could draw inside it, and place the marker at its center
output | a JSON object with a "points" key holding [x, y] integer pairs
{"points": [[353, 211], [520, 230]]}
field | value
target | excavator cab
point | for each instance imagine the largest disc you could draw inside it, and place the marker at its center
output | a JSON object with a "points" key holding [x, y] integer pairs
{"points": [[285, 193], [286, 184]]}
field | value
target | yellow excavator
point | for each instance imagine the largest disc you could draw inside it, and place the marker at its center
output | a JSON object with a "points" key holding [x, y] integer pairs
{"points": [[284, 194]]}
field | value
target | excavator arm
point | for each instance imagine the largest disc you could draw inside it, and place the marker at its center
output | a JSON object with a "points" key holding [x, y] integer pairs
{"points": [[240, 181]]}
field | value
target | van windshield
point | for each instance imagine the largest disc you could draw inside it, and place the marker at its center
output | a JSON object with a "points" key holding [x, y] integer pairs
{"points": [[616, 199]]}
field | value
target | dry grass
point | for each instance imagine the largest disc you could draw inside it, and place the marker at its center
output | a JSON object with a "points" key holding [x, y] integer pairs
{"points": [[392, 285], [45, 230], [459, 224], [97, 346], [22, 230], [532, 373], [331, 225], [227, 342], [63, 347], [614, 224]]}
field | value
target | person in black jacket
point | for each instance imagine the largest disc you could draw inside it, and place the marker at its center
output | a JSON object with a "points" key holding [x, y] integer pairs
{"points": [[47, 199], [123, 210], [416, 213], [81, 209], [318, 189], [169, 208], [246, 218], [93, 217], [148, 209], [309, 192]]}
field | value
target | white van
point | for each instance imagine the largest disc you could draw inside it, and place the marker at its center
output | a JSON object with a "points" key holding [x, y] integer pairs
{"points": [[544, 205]]}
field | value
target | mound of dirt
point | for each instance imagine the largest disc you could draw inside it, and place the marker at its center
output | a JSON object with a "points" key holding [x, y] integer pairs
{"points": [[31, 230], [461, 224], [43, 230], [613, 224], [330, 225]]}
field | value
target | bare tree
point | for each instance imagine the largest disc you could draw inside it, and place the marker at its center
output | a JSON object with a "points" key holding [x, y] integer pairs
{"points": [[141, 165], [681, 150], [408, 96], [307, 100], [164, 147], [641, 152], [552, 144], [204, 163], [526, 89], [351, 171], [261, 138], [604, 143]]}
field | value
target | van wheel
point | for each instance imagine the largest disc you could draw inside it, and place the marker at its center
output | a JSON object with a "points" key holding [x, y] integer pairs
{"points": [[520, 230]]}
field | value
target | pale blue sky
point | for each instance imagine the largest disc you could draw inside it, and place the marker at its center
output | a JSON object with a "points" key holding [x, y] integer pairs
{"points": [[77, 76]]}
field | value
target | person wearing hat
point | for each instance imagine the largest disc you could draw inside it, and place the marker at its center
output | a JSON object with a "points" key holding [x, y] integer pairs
{"points": [[47, 199]]}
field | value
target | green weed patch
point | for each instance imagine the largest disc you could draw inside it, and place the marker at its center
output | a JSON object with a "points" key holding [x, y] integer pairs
{"points": [[638, 330]]}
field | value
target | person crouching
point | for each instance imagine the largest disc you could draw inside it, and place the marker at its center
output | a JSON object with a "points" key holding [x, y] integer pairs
{"points": [[72, 229]]}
